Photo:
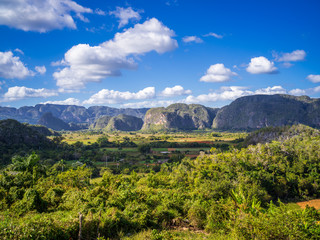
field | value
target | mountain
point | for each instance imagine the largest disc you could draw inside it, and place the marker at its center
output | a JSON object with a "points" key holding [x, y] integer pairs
{"points": [[179, 116], [258, 111], [101, 122], [245, 113], [124, 123], [14, 133], [67, 113], [53, 122]]}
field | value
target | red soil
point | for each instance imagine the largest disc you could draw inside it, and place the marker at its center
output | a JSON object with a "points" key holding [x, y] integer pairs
{"points": [[312, 203]]}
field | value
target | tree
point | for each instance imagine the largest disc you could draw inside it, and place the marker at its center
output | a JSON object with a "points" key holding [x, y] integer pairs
{"points": [[25, 164], [144, 148], [103, 141]]}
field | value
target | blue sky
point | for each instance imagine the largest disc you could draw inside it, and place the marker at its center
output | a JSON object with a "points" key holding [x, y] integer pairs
{"points": [[154, 53]]}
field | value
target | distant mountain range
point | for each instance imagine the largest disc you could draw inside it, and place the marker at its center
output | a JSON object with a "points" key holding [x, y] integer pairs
{"points": [[67, 113], [245, 113]]}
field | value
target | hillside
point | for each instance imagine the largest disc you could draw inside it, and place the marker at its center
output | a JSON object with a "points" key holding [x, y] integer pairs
{"points": [[124, 123], [101, 122], [13, 133], [179, 116], [52, 122], [258, 111], [269, 134]]}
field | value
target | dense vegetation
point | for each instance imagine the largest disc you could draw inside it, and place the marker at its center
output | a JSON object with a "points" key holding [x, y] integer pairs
{"points": [[237, 194]]}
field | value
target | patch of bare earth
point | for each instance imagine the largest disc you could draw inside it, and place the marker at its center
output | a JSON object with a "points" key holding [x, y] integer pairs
{"points": [[312, 203]]}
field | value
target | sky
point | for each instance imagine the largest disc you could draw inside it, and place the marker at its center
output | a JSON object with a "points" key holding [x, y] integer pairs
{"points": [[134, 54]]}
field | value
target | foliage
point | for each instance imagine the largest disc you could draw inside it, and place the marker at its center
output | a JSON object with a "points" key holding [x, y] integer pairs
{"points": [[224, 193]]}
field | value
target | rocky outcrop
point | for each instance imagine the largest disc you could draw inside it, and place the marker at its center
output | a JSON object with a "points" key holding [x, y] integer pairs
{"points": [[179, 117], [258, 111], [124, 123]]}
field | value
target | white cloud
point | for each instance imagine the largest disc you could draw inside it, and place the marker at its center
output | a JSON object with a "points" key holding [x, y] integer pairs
{"points": [[217, 73], [174, 91], [188, 39], [271, 90], [11, 67], [100, 12], [148, 104], [225, 93], [315, 90], [298, 92], [92, 64], [106, 96], [314, 78], [125, 15], [41, 69], [232, 93], [211, 34], [69, 101], [297, 55], [40, 15], [260, 65], [19, 51], [18, 93]]}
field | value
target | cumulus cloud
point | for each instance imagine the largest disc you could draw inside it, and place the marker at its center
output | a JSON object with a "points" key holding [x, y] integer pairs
{"points": [[188, 39], [106, 96], [314, 78], [271, 90], [125, 15], [232, 93], [148, 104], [298, 92], [41, 69], [217, 73], [11, 67], [92, 64], [297, 55], [68, 101], [260, 65], [41, 15], [211, 34], [18, 93], [225, 93], [174, 91]]}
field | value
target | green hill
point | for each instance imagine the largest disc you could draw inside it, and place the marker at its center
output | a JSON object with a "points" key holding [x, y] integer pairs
{"points": [[269, 134], [13, 133]]}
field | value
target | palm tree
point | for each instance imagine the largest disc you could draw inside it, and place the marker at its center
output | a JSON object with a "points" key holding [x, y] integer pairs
{"points": [[25, 164]]}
